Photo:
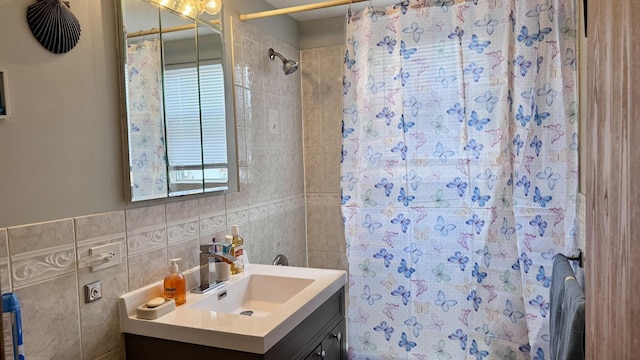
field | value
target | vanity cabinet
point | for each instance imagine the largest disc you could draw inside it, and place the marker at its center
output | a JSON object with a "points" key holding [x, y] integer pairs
{"points": [[333, 345], [321, 334]]}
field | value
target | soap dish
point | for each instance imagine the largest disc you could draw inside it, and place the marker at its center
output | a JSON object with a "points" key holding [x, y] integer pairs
{"points": [[149, 313]]}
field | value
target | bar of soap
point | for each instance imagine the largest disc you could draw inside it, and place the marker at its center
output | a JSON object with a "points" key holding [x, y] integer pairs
{"points": [[155, 302]]}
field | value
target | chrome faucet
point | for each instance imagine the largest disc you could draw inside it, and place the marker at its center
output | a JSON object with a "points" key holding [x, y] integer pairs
{"points": [[207, 254]]}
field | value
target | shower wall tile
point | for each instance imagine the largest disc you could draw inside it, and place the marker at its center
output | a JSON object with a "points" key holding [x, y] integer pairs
{"points": [[273, 71], [314, 170], [188, 251], [211, 205], [181, 210], [99, 320], [182, 221], [97, 230], [237, 216], [322, 119], [51, 323], [146, 230], [118, 354], [315, 222], [331, 170], [274, 122], [255, 119], [33, 237], [145, 217], [310, 69], [331, 119], [300, 260], [99, 225], [313, 129], [252, 55], [100, 326], [31, 261], [147, 268]]}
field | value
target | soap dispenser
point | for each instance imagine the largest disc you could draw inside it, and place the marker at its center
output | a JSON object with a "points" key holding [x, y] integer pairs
{"points": [[174, 284]]}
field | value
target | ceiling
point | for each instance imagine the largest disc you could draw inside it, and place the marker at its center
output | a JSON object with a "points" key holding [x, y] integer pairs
{"points": [[326, 12]]}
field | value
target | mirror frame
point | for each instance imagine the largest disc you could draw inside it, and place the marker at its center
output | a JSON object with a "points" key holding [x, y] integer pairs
{"points": [[230, 109]]}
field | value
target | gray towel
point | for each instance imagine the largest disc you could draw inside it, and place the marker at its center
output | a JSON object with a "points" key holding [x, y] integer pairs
{"points": [[567, 313]]}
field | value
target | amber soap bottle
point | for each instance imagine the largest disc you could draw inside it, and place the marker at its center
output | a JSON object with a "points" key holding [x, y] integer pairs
{"points": [[175, 286], [237, 250]]}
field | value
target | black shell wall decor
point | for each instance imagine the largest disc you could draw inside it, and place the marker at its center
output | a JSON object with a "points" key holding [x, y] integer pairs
{"points": [[54, 25]]}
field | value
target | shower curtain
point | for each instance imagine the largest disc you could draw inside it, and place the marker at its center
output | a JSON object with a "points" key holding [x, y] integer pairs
{"points": [[459, 175], [143, 79]]}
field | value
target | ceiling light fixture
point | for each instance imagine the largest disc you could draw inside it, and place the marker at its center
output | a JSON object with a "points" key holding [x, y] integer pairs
{"points": [[191, 8]]}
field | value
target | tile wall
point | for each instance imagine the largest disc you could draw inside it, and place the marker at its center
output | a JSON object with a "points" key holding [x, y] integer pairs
{"points": [[48, 264], [322, 117]]}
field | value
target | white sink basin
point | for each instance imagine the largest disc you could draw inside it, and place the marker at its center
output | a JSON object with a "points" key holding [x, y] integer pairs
{"points": [[280, 297], [253, 295]]}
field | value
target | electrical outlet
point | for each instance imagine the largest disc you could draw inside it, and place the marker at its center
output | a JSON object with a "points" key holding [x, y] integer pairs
{"points": [[93, 291], [104, 256]]}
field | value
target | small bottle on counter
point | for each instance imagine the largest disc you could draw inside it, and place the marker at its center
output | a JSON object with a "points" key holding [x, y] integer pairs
{"points": [[237, 250], [174, 284]]}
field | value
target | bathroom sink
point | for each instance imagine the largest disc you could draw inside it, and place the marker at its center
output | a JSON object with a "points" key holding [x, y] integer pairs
{"points": [[278, 298], [253, 295]]}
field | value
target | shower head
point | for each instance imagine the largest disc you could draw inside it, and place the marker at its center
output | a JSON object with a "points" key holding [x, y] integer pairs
{"points": [[288, 66]]}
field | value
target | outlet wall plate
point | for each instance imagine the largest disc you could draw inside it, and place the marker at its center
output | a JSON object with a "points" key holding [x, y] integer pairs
{"points": [[93, 291], [105, 256]]}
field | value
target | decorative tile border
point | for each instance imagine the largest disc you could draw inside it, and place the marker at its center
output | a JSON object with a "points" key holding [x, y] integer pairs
{"points": [[146, 239], [258, 212], [315, 200], [238, 216], [326, 199], [5, 275], [38, 266], [213, 223], [184, 230]]}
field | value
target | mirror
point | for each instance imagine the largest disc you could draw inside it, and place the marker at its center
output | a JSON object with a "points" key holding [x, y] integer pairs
{"points": [[178, 98]]}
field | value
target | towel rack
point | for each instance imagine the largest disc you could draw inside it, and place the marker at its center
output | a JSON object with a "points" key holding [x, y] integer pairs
{"points": [[577, 258]]}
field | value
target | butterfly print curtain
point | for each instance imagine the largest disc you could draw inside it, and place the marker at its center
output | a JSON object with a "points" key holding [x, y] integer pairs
{"points": [[459, 175], [144, 107]]}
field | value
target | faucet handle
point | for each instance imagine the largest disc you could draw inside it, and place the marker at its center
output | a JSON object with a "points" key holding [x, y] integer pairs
{"points": [[207, 248]]}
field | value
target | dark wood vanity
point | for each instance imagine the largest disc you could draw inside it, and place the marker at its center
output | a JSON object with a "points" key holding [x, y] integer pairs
{"points": [[320, 336]]}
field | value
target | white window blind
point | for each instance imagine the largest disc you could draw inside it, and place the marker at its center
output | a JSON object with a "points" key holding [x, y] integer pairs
{"points": [[183, 107]]}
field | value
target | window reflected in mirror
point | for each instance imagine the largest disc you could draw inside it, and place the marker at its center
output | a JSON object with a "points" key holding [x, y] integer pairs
{"points": [[181, 134]]}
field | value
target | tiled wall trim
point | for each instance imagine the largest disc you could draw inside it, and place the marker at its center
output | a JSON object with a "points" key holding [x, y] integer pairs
{"points": [[36, 266], [146, 240], [238, 216], [5, 276], [182, 231], [213, 223]]}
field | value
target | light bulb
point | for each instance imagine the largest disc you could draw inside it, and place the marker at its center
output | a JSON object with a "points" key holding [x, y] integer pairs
{"points": [[212, 7]]}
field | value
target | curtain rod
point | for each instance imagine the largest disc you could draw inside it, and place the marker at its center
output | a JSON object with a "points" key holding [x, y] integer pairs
{"points": [[166, 30], [299, 8], [294, 9], [157, 31]]}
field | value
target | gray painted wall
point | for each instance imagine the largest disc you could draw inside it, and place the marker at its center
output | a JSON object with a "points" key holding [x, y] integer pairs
{"points": [[322, 33], [61, 153]]}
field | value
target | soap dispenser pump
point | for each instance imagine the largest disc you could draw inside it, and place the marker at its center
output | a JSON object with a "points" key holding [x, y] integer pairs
{"points": [[174, 284]]}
